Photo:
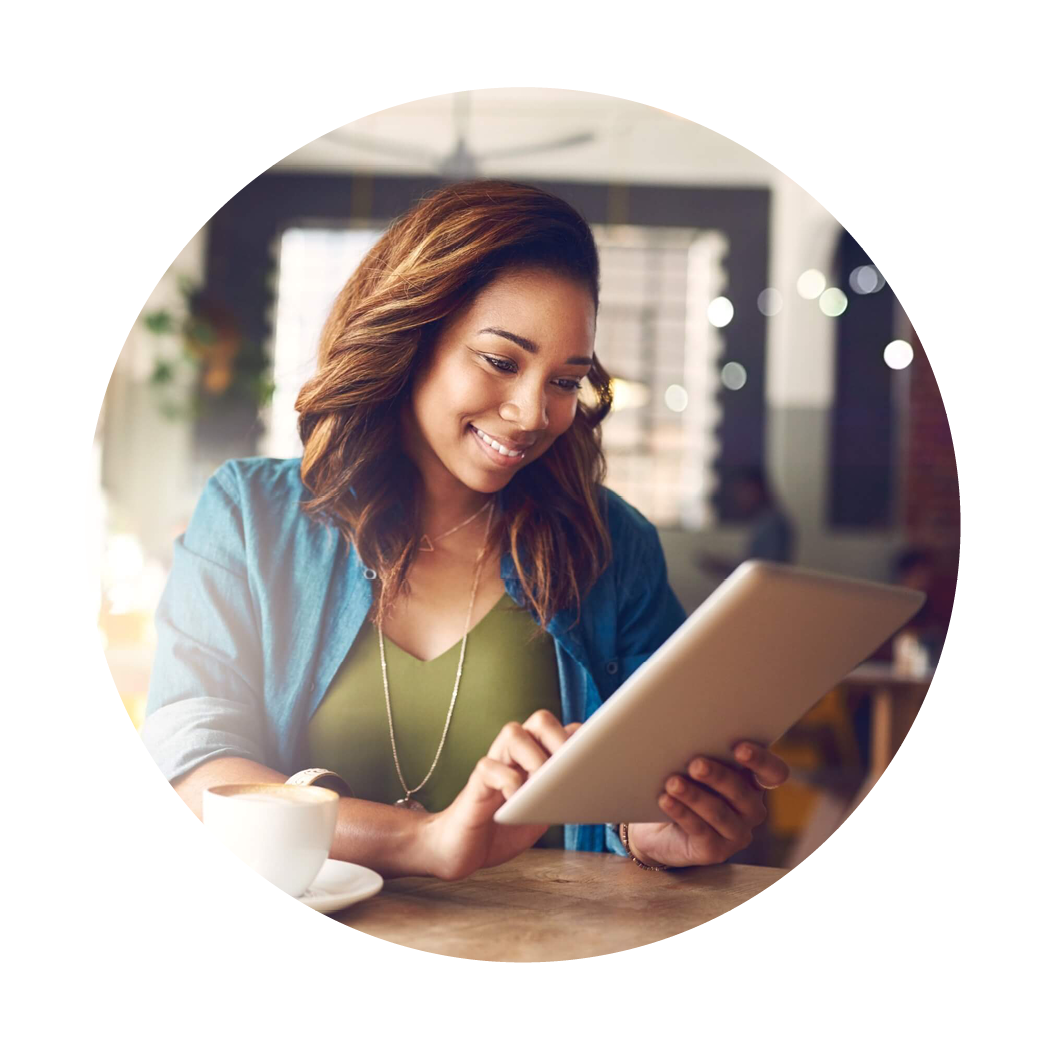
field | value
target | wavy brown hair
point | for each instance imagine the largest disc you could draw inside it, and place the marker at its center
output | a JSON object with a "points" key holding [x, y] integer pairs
{"points": [[430, 263]]}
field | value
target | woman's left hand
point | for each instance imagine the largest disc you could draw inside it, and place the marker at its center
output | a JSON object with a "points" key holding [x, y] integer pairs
{"points": [[714, 808]]}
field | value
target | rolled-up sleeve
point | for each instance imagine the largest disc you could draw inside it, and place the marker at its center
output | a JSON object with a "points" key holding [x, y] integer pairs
{"points": [[206, 693]]}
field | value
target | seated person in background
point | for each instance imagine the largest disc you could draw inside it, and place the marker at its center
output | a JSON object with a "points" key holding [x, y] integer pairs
{"points": [[770, 536]]}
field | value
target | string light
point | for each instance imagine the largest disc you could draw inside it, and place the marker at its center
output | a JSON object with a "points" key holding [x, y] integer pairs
{"points": [[719, 312], [898, 354], [866, 279], [628, 394], [811, 284], [676, 398], [833, 302], [733, 376], [769, 302]]}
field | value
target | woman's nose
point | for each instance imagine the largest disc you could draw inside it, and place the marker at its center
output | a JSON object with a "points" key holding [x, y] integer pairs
{"points": [[527, 408]]}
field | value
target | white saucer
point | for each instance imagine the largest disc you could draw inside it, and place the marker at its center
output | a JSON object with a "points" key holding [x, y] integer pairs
{"points": [[339, 884]]}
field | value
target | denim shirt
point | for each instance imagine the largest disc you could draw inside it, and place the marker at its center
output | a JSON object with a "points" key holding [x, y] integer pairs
{"points": [[263, 604]]}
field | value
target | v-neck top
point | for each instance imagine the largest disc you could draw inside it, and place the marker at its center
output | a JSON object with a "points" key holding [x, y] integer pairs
{"points": [[509, 672], [264, 602]]}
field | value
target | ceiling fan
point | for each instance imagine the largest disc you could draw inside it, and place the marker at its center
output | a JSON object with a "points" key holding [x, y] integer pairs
{"points": [[461, 163]]}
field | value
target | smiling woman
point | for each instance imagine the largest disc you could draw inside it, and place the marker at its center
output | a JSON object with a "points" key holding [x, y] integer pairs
{"points": [[477, 309], [448, 450]]}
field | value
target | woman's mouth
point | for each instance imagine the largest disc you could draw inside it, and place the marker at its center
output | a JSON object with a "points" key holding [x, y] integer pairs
{"points": [[494, 450]]}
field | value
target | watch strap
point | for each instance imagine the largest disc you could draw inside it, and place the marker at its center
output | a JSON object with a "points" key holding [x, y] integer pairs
{"points": [[323, 778]]}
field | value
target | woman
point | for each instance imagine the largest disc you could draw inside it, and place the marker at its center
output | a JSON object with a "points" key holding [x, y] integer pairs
{"points": [[449, 494]]}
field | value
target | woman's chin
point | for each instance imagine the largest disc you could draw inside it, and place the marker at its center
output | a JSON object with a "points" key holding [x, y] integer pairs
{"points": [[487, 484]]}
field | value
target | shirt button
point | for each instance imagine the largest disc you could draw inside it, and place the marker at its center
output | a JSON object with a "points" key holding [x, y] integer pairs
{"points": [[612, 667], [370, 574]]}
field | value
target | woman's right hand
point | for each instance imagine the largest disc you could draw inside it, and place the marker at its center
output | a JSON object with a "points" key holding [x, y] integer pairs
{"points": [[464, 837]]}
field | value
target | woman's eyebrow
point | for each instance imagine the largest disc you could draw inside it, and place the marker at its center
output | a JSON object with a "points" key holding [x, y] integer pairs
{"points": [[530, 346]]}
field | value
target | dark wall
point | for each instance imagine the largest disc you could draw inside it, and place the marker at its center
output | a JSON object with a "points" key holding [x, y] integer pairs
{"points": [[863, 446]]}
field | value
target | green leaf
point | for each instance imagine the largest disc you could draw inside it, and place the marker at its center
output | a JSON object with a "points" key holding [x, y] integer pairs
{"points": [[263, 391], [163, 373], [159, 322], [201, 331]]}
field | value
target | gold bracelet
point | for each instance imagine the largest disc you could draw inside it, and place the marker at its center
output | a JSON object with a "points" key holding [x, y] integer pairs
{"points": [[624, 835]]}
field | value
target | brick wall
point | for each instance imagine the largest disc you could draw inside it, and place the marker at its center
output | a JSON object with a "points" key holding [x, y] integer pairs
{"points": [[931, 481]]}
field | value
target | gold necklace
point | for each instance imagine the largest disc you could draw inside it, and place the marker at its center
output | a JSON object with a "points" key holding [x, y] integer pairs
{"points": [[427, 544], [407, 801]]}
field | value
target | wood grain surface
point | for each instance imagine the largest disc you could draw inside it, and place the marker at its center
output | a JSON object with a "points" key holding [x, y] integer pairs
{"points": [[547, 905]]}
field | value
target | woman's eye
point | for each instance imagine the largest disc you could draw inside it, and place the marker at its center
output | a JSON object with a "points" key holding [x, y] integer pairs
{"points": [[500, 363], [505, 365]]}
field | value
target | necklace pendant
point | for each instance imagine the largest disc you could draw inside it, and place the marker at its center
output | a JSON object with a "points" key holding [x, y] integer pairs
{"points": [[426, 546], [409, 804]]}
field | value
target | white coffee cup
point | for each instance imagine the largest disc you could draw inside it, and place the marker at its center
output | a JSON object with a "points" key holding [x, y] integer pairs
{"points": [[283, 832]]}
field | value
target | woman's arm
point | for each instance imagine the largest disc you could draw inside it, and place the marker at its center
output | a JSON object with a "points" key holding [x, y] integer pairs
{"points": [[389, 840], [450, 844], [205, 698], [206, 722]]}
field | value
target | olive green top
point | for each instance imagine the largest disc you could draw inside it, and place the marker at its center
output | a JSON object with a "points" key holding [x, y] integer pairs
{"points": [[509, 672]]}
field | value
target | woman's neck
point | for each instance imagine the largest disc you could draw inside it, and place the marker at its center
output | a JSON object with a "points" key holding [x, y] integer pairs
{"points": [[441, 508]]}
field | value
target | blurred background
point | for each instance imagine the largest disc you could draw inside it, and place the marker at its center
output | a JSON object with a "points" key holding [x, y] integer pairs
{"points": [[772, 399]]}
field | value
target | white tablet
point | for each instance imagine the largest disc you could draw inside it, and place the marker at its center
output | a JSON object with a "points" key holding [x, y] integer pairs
{"points": [[769, 643]]}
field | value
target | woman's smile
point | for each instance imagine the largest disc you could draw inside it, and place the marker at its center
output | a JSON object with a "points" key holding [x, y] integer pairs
{"points": [[501, 453]]}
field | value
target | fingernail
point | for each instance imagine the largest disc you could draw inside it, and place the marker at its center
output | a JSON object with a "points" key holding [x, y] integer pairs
{"points": [[744, 752], [675, 786], [700, 768]]}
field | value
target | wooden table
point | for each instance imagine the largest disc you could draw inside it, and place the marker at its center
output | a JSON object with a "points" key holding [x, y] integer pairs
{"points": [[546, 905]]}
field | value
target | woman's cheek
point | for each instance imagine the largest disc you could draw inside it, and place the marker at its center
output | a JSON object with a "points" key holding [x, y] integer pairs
{"points": [[568, 417]]}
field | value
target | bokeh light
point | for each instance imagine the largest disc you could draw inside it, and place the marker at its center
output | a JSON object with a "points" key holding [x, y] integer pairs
{"points": [[719, 312], [866, 279], [898, 354], [676, 398], [833, 302], [733, 376], [628, 394], [811, 284], [769, 302]]}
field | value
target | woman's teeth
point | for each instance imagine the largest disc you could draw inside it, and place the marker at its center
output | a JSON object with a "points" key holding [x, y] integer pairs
{"points": [[495, 444]]}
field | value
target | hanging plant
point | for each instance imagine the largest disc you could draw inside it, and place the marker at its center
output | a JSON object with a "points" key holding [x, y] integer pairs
{"points": [[212, 363]]}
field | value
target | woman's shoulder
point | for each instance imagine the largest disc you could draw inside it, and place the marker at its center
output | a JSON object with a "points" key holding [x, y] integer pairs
{"points": [[629, 529], [261, 494], [257, 478], [636, 550]]}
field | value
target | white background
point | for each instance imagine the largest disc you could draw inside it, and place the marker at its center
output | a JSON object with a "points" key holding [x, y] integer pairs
{"points": [[126, 128]]}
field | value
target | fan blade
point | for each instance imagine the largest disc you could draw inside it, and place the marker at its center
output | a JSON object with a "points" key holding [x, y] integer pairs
{"points": [[544, 146], [390, 148]]}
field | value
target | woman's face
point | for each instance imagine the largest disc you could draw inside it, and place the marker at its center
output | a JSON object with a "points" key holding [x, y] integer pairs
{"points": [[505, 369]]}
